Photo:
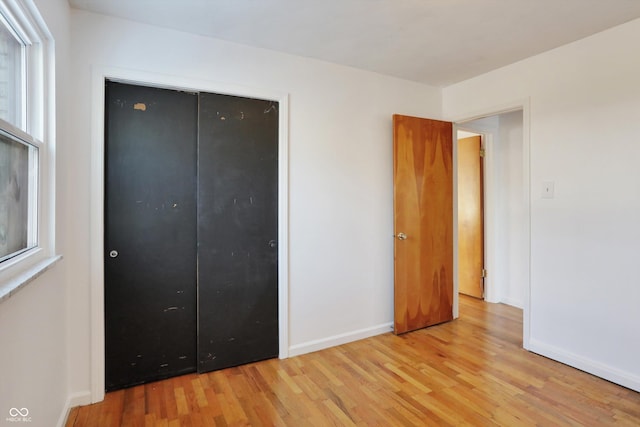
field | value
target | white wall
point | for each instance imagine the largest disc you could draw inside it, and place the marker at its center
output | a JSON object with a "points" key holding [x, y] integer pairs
{"points": [[33, 343], [33, 356], [510, 223], [340, 149], [584, 104]]}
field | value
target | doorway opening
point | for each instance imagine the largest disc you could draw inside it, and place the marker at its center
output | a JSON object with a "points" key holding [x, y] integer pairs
{"points": [[504, 214]]}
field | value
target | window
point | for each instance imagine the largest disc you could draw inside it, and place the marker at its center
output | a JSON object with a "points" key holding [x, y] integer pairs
{"points": [[26, 144], [18, 167], [12, 67]]}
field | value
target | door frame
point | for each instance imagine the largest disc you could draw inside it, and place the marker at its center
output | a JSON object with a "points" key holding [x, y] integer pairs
{"points": [[99, 76], [490, 187]]}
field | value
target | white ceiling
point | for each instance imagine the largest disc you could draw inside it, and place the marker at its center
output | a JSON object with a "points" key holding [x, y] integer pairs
{"points": [[437, 42]]}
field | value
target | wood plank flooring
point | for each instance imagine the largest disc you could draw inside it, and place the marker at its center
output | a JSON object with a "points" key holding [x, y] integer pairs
{"points": [[471, 371]]}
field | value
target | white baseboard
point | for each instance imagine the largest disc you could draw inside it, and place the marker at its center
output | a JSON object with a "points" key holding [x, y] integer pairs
{"points": [[73, 400], [315, 345], [598, 369]]}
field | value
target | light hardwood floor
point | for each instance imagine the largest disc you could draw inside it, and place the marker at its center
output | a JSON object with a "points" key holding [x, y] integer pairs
{"points": [[471, 371]]}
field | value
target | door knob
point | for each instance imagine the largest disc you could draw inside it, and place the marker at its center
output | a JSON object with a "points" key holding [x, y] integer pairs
{"points": [[401, 236], [113, 254]]}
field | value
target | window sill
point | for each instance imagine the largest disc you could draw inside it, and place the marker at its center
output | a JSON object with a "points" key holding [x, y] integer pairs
{"points": [[13, 285]]}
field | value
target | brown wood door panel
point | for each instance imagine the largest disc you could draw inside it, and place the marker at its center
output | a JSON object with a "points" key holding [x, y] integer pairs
{"points": [[423, 211], [470, 218]]}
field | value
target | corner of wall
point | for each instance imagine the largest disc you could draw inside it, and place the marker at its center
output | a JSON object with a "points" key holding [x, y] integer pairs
{"points": [[73, 400]]}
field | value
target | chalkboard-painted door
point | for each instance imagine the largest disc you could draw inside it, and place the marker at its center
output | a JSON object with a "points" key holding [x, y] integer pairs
{"points": [[237, 231], [150, 234], [190, 232]]}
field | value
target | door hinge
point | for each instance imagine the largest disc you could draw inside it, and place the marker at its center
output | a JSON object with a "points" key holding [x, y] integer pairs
{"points": [[482, 152], [484, 273]]}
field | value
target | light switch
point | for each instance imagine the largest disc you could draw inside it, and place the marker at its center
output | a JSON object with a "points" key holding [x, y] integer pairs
{"points": [[547, 190]]}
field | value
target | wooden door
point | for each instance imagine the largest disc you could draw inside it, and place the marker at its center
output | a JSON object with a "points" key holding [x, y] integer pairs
{"points": [[237, 231], [150, 234], [423, 222], [470, 218]]}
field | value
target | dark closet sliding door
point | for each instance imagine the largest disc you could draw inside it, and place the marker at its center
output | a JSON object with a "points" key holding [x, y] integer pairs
{"points": [[237, 231], [150, 234], [191, 226]]}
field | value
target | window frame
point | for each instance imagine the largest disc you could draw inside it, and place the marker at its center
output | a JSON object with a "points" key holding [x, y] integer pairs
{"points": [[22, 39], [37, 128], [28, 141]]}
